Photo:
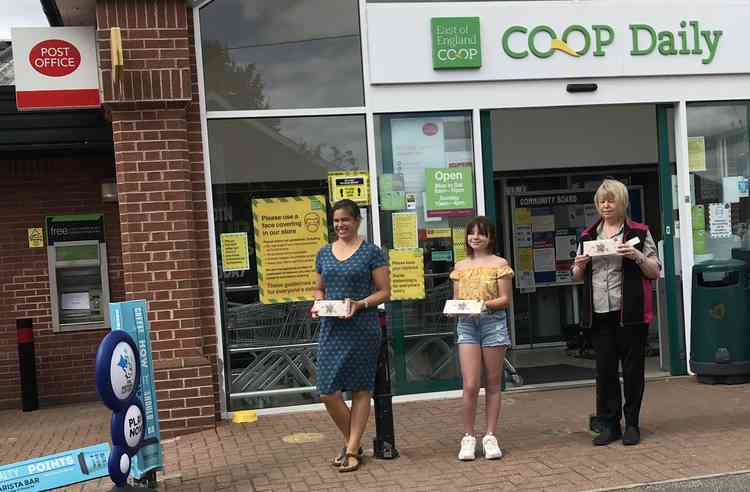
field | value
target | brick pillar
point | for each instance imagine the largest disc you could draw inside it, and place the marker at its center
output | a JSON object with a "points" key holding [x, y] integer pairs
{"points": [[162, 211]]}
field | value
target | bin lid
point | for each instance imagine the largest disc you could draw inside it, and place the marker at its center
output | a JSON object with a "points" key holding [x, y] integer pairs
{"points": [[720, 266]]}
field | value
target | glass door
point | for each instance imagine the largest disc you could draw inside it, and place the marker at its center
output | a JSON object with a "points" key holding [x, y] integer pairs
{"points": [[719, 166], [669, 284], [423, 212]]}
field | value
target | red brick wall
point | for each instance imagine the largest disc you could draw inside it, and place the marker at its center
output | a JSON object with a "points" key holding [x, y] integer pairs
{"points": [[161, 186], [29, 191]]}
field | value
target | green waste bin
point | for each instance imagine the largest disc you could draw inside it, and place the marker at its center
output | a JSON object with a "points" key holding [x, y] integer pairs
{"points": [[720, 328]]}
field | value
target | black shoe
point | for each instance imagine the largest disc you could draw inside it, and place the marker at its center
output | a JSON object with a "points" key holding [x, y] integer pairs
{"points": [[607, 436], [632, 436]]}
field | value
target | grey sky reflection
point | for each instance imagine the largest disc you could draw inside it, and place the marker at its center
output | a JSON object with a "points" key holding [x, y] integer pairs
{"points": [[252, 150], [325, 71]]}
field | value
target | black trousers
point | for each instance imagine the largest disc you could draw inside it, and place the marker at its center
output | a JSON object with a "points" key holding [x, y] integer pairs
{"points": [[615, 344]]}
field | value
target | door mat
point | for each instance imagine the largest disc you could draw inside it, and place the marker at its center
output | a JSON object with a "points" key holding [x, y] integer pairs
{"points": [[554, 374]]}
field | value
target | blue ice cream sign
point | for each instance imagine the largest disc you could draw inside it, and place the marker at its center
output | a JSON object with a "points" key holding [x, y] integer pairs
{"points": [[132, 318]]}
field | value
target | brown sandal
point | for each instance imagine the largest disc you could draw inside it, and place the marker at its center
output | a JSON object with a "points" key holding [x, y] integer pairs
{"points": [[346, 467], [341, 457]]}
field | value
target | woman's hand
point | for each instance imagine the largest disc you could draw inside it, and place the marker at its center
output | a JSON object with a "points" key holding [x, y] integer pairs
{"points": [[630, 252], [581, 261], [314, 311], [353, 307]]}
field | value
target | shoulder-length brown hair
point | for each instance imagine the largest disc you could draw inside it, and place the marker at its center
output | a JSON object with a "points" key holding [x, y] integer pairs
{"points": [[485, 228]]}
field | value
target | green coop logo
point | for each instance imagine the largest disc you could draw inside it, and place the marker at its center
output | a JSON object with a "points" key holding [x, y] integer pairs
{"points": [[718, 311], [456, 43]]}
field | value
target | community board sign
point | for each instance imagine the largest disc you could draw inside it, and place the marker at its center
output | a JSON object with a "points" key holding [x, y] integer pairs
{"points": [[55, 67], [480, 41]]}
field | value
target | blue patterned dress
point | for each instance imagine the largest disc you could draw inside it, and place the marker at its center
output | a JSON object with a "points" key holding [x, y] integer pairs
{"points": [[348, 350]]}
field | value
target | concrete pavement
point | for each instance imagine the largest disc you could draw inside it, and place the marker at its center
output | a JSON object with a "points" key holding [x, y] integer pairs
{"points": [[688, 429]]}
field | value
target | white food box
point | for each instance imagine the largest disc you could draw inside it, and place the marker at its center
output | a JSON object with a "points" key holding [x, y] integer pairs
{"points": [[605, 247], [338, 309], [460, 306], [600, 247]]}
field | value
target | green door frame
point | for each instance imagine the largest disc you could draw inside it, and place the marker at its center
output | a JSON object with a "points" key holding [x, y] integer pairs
{"points": [[677, 366], [485, 124], [401, 385]]}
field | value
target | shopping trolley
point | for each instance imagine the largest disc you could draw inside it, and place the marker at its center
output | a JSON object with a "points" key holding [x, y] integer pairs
{"points": [[277, 343]]}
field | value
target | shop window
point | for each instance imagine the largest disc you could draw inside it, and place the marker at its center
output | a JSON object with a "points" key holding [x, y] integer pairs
{"points": [[719, 167], [417, 154], [281, 54], [271, 343]]}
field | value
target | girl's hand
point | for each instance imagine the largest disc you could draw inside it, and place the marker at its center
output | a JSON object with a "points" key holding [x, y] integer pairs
{"points": [[314, 312]]}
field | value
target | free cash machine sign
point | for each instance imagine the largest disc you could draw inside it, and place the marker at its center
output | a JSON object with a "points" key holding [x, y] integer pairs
{"points": [[55, 67]]}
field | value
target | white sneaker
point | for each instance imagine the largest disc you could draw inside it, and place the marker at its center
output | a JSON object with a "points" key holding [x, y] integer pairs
{"points": [[491, 448], [468, 448]]}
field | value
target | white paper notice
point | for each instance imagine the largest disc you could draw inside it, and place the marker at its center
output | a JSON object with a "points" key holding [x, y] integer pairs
{"points": [[76, 300], [565, 247], [719, 220], [525, 282], [543, 223], [523, 235], [731, 188], [576, 216], [417, 143], [590, 213], [544, 260]]}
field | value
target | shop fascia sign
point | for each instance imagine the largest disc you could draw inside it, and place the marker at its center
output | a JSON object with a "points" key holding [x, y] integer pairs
{"points": [[495, 41], [575, 40], [456, 41]]}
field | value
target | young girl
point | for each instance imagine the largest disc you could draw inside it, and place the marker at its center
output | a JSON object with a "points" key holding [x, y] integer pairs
{"points": [[486, 277]]}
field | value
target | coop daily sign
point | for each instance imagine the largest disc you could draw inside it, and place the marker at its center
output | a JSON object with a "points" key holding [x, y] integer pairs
{"points": [[548, 40]]}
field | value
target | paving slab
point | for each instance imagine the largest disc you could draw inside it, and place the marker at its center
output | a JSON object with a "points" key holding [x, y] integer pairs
{"points": [[688, 429]]}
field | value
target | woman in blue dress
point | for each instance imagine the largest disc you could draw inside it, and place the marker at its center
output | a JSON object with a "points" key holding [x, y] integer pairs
{"points": [[352, 270]]}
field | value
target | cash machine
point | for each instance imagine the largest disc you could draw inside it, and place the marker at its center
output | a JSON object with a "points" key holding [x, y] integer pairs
{"points": [[78, 277]]}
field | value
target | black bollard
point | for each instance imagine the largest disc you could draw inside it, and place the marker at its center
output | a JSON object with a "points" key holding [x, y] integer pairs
{"points": [[27, 365], [384, 444]]}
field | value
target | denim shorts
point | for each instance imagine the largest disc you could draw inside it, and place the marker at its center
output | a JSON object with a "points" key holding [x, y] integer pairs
{"points": [[487, 330]]}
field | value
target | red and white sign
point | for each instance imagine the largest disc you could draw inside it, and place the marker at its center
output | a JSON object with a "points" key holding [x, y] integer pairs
{"points": [[55, 67]]}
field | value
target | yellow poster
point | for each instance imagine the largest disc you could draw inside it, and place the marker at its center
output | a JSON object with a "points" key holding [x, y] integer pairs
{"points": [[354, 185], [288, 234], [696, 154], [438, 232], [523, 216], [525, 260], [406, 273], [36, 237], [459, 244], [405, 230], [234, 252]]}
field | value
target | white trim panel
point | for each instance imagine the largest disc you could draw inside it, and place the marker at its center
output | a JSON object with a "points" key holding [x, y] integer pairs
{"points": [[220, 362]]}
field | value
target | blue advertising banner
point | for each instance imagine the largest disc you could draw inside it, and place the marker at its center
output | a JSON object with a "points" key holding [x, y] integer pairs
{"points": [[132, 317], [56, 470]]}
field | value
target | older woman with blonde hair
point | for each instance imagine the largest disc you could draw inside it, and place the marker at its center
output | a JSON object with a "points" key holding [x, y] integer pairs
{"points": [[617, 306]]}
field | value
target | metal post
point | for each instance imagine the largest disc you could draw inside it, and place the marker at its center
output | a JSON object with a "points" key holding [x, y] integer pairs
{"points": [[384, 444], [27, 364]]}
